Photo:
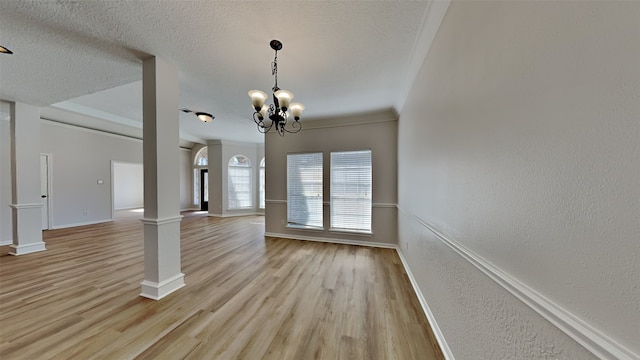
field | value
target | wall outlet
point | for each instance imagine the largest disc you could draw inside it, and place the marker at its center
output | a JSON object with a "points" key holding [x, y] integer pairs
{"points": [[85, 212]]}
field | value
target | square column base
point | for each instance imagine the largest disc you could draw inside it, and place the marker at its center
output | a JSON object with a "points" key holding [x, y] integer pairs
{"points": [[27, 229], [157, 291], [162, 273], [26, 249]]}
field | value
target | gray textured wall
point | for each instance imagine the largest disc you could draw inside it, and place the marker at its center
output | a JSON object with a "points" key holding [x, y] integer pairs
{"points": [[519, 141]]}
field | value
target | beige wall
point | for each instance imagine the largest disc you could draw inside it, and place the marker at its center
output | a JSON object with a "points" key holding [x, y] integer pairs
{"points": [[519, 144], [376, 131]]}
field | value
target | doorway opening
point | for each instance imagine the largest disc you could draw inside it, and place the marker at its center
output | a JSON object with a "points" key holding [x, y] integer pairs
{"points": [[45, 190], [127, 186]]}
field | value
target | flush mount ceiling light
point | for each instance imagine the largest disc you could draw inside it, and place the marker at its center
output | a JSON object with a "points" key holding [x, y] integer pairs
{"points": [[4, 50], [266, 116], [203, 116]]}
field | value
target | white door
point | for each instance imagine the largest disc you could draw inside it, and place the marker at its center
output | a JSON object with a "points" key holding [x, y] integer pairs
{"points": [[44, 190]]}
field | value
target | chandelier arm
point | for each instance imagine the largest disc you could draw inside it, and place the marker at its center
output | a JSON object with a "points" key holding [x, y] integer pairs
{"points": [[256, 119], [296, 126], [264, 129], [260, 123]]}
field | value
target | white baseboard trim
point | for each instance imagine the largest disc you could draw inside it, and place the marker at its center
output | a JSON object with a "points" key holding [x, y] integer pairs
{"points": [[234, 215], [129, 208], [331, 240], [156, 291], [80, 224], [27, 249], [6, 242], [444, 347], [586, 335]]}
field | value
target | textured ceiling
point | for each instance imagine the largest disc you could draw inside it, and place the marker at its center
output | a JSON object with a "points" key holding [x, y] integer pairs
{"points": [[339, 57]]}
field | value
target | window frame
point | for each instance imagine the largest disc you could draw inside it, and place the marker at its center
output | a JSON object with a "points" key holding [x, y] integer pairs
{"points": [[334, 195], [230, 182], [262, 185], [317, 186], [203, 153]]}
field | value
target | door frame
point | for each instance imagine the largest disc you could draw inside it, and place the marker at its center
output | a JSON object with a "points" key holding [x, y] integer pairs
{"points": [[49, 189], [202, 205]]}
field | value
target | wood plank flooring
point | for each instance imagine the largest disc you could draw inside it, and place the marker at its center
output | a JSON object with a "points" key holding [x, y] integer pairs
{"points": [[246, 297]]}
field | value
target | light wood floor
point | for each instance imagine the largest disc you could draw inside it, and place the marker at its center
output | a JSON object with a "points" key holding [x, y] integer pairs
{"points": [[246, 297]]}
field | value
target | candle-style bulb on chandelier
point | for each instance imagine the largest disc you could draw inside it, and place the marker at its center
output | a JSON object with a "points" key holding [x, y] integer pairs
{"points": [[276, 116]]}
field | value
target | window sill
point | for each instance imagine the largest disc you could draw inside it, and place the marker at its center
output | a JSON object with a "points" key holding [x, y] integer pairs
{"points": [[304, 227], [351, 232]]}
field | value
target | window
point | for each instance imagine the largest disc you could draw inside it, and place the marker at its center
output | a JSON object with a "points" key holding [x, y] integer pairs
{"points": [[261, 204], [239, 185], [351, 191], [202, 158], [304, 190]]}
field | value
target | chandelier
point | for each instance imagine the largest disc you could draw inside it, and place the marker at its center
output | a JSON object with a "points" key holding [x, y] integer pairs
{"points": [[277, 114]]}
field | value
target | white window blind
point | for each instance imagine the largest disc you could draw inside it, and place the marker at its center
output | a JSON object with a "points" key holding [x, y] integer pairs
{"points": [[262, 184], [239, 184], [304, 189], [351, 190]]}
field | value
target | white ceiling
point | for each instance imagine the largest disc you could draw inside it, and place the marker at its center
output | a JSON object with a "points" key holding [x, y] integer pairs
{"points": [[338, 57]]}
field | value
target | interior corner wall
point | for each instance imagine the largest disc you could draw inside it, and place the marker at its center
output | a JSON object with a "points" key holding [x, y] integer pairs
{"points": [[354, 133], [519, 144], [186, 180], [214, 154], [6, 231]]}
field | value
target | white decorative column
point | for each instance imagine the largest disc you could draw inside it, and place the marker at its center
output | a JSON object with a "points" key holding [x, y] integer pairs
{"points": [[162, 272], [25, 180]]}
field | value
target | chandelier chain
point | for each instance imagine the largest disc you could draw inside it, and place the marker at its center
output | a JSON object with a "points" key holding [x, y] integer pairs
{"points": [[274, 69]]}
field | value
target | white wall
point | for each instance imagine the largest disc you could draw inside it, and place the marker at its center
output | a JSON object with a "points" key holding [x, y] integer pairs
{"points": [[128, 186], [520, 144], [80, 157], [375, 131]]}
